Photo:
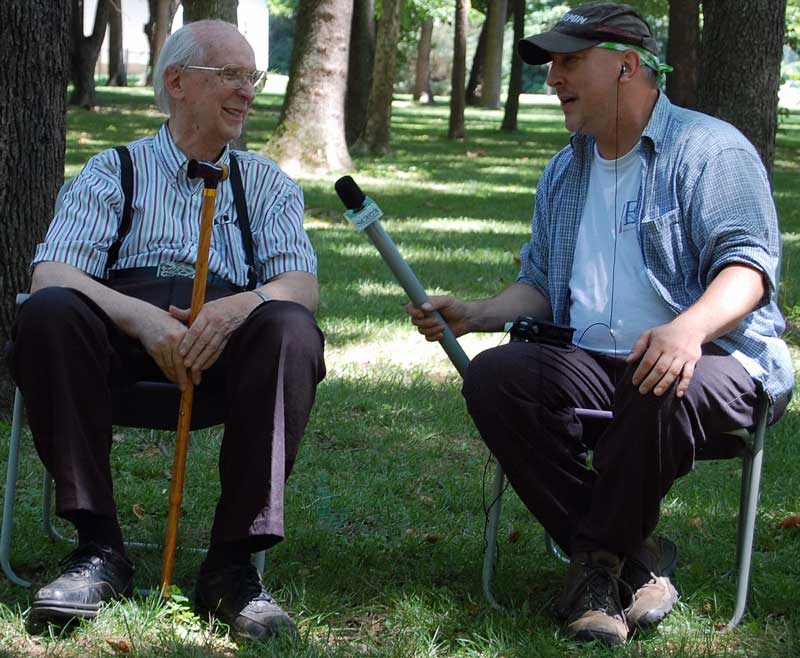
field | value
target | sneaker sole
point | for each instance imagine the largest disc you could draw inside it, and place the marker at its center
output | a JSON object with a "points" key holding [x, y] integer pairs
{"points": [[608, 639]]}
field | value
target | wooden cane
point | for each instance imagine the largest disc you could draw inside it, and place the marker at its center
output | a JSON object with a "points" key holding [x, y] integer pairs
{"points": [[211, 175]]}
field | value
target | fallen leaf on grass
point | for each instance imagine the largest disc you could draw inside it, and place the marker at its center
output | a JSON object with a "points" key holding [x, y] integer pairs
{"points": [[514, 536], [138, 511], [121, 646], [696, 523], [432, 539], [475, 154], [792, 521]]}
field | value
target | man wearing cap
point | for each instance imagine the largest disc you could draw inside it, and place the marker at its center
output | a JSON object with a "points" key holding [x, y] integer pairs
{"points": [[655, 237], [108, 309]]}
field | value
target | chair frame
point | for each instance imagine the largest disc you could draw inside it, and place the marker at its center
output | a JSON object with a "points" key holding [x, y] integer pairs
{"points": [[751, 451]]}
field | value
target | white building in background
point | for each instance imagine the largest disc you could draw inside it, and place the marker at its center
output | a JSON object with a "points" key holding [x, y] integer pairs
{"points": [[253, 18]]}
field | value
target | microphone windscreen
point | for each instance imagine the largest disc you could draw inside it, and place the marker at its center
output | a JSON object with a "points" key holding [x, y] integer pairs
{"points": [[350, 193]]}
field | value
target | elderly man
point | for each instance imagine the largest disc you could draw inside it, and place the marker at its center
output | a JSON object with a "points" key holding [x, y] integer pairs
{"points": [[109, 306], [655, 237]]}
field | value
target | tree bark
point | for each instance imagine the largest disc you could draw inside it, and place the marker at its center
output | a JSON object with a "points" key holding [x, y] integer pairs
{"points": [[32, 138], [422, 83], [683, 51], [476, 72], [515, 83], [224, 10], [359, 69], [376, 136], [117, 69], [157, 28], [310, 133], [84, 51], [493, 61], [456, 129], [743, 90]]}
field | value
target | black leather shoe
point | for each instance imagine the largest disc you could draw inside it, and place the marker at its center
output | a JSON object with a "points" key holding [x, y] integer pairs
{"points": [[92, 575], [234, 594]]}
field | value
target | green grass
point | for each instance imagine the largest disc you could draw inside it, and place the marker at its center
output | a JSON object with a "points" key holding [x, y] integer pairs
{"points": [[385, 506]]}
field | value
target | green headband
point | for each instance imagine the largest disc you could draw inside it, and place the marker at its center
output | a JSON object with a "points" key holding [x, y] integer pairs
{"points": [[648, 59]]}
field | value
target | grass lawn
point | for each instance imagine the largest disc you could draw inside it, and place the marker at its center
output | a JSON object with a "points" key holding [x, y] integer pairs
{"points": [[385, 509]]}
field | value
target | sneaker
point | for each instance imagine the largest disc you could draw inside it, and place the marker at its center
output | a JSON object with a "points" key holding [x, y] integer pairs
{"points": [[91, 576], [590, 602], [234, 594], [647, 574]]}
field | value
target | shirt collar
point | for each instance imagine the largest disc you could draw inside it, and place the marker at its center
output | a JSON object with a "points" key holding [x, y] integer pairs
{"points": [[173, 159]]}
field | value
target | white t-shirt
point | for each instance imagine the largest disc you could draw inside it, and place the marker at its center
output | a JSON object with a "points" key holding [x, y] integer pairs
{"points": [[612, 300]]}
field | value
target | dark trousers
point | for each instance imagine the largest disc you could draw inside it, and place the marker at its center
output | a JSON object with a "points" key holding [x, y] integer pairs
{"points": [[522, 398], [67, 355]]}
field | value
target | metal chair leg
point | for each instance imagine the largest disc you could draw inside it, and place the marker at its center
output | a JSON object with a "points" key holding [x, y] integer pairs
{"points": [[491, 537], [747, 517], [11, 490], [554, 549], [258, 560]]}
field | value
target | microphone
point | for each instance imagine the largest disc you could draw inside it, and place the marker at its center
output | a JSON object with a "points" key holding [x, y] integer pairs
{"points": [[349, 192], [361, 210], [364, 214]]}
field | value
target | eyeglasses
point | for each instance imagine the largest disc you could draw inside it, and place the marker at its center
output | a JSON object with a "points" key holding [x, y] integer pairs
{"points": [[235, 77]]}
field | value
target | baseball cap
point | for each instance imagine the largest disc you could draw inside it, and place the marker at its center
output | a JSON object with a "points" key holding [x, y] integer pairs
{"points": [[586, 26]]}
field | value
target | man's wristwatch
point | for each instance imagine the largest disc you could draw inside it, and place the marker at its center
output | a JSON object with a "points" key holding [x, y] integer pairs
{"points": [[264, 296]]}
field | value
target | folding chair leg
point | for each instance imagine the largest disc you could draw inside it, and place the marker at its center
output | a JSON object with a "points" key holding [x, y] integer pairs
{"points": [[555, 550], [47, 511], [751, 471], [491, 537], [11, 490], [258, 560]]}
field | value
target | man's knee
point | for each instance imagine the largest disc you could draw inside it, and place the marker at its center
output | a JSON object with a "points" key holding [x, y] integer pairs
{"points": [[288, 324], [48, 311], [487, 374]]}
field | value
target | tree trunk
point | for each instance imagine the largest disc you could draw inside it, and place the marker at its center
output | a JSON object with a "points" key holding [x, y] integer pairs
{"points": [[310, 133], [422, 84], [515, 83], [456, 129], [225, 10], [376, 135], [84, 51], [493, 61], [117, 69], [359, 69], [32, 116], [743, 90], [683, 51], [476, 72], [157, 28]]}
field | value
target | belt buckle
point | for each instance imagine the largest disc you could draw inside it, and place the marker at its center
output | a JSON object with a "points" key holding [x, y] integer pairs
{"points": [[175, 269]]}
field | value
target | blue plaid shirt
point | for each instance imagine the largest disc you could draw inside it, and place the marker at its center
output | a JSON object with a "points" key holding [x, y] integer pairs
{"points": [[704, 203]]}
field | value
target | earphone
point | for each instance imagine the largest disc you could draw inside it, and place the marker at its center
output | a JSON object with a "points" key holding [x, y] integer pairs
{"points": [[623, 70]]}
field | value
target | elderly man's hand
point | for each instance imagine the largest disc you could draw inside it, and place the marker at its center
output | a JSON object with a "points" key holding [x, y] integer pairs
{"points": [[667, 353], [205, 340], [160, 334]]}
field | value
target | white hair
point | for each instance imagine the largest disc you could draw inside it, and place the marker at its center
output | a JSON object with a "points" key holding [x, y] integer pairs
{"points": [[188, 45]]}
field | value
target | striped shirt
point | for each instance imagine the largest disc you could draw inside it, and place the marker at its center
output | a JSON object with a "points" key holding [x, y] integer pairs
{"points": [[165, 216], [704, 203]]}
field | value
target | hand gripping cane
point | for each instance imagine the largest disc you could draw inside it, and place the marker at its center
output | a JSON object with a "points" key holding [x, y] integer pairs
{"points": [[211, 175]]}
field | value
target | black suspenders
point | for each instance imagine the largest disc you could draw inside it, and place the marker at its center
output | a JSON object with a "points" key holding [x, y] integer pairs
{"points": [[242, 215]]}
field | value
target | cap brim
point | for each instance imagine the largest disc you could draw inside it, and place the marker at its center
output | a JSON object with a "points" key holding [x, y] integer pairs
{"points": [[538, 48]]}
